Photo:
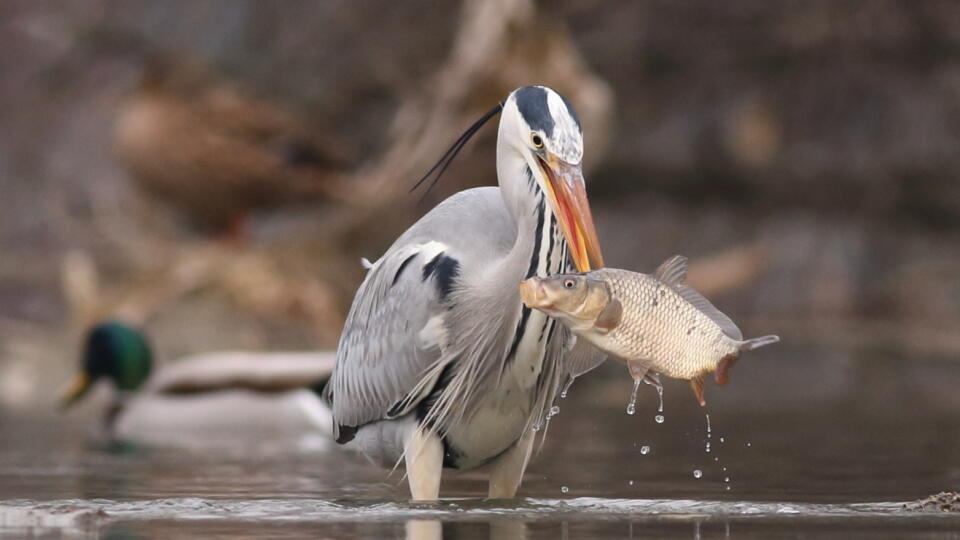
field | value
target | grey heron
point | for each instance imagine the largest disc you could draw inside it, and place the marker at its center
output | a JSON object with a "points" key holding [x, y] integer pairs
{"points": [[439, 363]]}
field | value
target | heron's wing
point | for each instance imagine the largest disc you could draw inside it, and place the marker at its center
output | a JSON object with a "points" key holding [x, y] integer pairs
{"points": [[392, 337], [402, 329], [262, 372]]}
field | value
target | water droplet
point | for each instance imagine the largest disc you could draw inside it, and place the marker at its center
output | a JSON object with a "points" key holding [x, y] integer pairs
{"points": [[660, 395], [697, 473], [708, 426], [726, 479], [550, 414], [716, 458], [708, 447], [564, 489], [630, 483], [721, 439], [728, 488], [724, 469], [644, 449], [632, 406], [658, 418], [566, 387], [748, 444], [536, 427]]}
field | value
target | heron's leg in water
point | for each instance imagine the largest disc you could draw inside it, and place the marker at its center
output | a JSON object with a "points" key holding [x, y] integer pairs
{"points": [[506, 472], [423, 453]]}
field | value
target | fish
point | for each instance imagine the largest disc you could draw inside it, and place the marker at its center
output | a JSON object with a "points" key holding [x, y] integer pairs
{"points": [[652, 323]]}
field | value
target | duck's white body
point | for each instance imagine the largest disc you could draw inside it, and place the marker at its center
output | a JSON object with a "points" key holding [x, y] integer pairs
{"points": [[230, 398]]}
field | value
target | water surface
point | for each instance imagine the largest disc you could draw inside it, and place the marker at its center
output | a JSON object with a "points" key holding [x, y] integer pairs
{"points": [[795, 450]]}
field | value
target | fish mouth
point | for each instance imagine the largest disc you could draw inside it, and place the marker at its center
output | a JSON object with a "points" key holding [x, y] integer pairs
{"points": [[533, 294], [568, 198]]}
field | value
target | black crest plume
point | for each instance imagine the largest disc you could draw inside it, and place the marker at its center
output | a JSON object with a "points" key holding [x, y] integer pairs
{"points": [[440, 166]]}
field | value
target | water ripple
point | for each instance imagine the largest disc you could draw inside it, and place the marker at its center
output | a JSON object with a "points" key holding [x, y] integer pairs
{"points": [[78, 513]]}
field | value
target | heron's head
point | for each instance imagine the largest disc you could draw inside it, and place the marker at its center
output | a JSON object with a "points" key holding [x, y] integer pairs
{"points": [[540, 127], [115, 352]]}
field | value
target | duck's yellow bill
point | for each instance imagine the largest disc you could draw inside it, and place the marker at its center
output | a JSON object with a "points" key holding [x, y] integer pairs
{"points": [[75, 389]]}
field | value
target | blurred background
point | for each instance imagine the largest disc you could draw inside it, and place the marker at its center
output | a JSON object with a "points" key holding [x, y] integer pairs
{"points": [[803, 155], [214, 171]]}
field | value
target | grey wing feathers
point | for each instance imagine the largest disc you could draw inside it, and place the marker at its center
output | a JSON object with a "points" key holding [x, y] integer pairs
{"points": [[378, 359], [384, 368]]}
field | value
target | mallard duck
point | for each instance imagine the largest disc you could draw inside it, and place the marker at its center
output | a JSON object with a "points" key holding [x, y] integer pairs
{"points": [[214, 153], [122, 355]]}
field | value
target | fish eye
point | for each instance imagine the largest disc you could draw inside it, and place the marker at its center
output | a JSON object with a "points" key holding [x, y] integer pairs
{"points": [[536, 140], [569, 284]]}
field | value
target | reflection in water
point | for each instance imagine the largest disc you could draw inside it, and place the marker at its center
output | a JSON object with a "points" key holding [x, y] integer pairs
{"points": [[498, 529], [508, 529], [424, 529]]}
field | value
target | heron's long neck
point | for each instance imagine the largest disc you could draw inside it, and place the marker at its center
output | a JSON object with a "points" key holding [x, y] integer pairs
{"points": [[539, 248]]}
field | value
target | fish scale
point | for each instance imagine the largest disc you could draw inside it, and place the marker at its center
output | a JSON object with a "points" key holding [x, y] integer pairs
{"points": [[654, 327], [650, 322]]}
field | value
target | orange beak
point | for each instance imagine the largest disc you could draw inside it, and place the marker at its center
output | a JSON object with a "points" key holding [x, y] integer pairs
{"points": [[568, 197]]}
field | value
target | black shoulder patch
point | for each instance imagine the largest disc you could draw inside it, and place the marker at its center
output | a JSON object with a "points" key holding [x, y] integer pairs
{"points": [[532, 103], [402, 266], [445, 271], [346, 433]]}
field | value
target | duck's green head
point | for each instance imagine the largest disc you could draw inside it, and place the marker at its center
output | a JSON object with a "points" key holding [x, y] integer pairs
{"points": [[113, 351]]}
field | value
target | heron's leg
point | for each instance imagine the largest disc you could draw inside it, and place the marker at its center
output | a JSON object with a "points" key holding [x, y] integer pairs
{"points": [[424, 459], [506, 472]]}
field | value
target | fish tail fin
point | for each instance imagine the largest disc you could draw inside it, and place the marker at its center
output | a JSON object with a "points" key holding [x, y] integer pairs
{"points": [[722, 373], [758, 342]]}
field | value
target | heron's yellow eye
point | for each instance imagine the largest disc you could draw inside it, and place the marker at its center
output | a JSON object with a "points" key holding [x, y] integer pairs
{"points": [[536, 140]]}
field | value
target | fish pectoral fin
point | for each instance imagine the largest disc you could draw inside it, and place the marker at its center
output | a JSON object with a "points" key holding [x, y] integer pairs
{"points": [[610, 317], [722, 375], [640, 371], [653, 379], [639, 368], [696, 383]]}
